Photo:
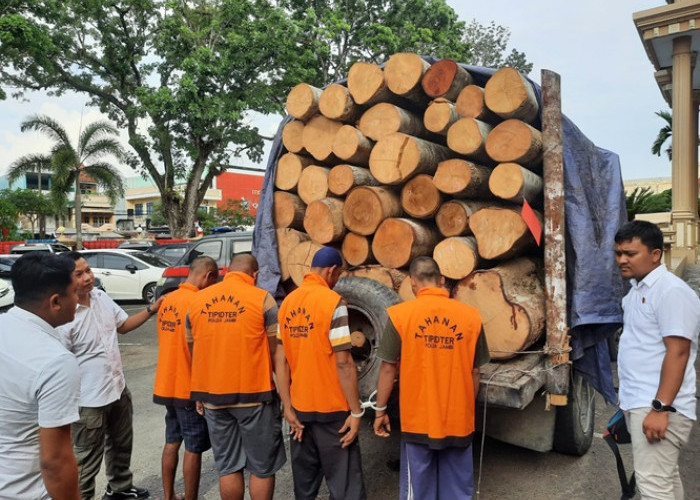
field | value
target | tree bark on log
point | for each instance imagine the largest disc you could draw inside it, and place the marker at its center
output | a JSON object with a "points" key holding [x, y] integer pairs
{"points": [[367, 206], [367, 85], [289, 169], [470, 104], [467, 136], [292, 137], [501, 233], [302, 101], [398, 157], [439, 116], [403, 73], [514, 141], [510, 95], [323, 220], [453, 217], [445, 78], [342, 178], [406, 290], [384, 118], [391, 278], [357, 249], [510, 299], [287, 239], [511, 182], [337, 104], [299, 260], [420, 198], [351, 145], [398, 241], [456, 256], [313, 183], [289, 210], [463, 179], [318, 136]]}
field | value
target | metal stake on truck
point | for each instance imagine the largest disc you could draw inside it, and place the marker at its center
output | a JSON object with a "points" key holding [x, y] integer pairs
{"points": [[577, 298]]}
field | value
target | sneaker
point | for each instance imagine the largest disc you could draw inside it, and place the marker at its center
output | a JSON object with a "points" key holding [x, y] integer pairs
{"points": [[132, 492]]}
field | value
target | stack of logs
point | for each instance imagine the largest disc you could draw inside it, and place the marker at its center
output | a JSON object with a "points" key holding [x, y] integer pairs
{"points": [[415, 159]]}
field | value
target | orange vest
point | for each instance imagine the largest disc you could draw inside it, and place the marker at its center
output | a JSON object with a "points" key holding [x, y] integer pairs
{"points": [[438, 341], [172, 385], [231, 355], [304, 324]]}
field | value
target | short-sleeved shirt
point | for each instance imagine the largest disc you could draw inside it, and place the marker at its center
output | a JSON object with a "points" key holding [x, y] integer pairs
{"points": [[92, 336], [660, 305], [39, 388]]}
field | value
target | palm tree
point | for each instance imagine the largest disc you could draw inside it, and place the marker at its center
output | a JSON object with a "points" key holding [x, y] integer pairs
{"points": [[66, 162], [664, 135]]}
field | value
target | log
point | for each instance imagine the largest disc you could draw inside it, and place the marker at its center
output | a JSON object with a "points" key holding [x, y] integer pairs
{"points": [[501, 233], [384, 118], [514, 141], [440, 114], [366, 84], [420, 198], [463, 179], [398, 241], [403, 73], [357, 249], [445, 78], [292, 137], [342, 178], [287, 239], [453, 217], [351, 145], [456, 256], [511, 182], [467, 136], [336, 103], [323, 220], [391, 278], [397, 157], [289, 168], [302, 101], [318, 136], [289, 210], [367, 206], [510, 299], [406, 290], [313, 183], [299, 260], [470, 104], [510, 95]]}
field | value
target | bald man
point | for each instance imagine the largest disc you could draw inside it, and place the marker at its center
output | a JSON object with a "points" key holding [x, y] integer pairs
{"points": [[172, 382], [233, 327]]}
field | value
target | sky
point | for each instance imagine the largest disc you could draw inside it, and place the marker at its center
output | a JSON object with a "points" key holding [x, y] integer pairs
{"points": [[607, 82]]}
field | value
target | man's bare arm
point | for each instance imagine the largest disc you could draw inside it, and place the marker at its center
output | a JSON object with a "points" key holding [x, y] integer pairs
{"points": [[59, 469]]}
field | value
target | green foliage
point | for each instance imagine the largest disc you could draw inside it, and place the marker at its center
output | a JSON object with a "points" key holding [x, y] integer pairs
{"points": [[664, 135], [659, 202], [157, 217], [235, 213], [643, 201], [207, 219], [488, 46], [9, 217]]}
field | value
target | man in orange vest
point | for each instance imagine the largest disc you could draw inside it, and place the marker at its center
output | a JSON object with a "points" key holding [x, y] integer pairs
{"points": [[172, 384], [441, 345], [317, 381], [233, 327]]}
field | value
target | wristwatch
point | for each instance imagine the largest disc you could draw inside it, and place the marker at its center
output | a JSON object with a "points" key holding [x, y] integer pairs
{"points": [[658, 405]]}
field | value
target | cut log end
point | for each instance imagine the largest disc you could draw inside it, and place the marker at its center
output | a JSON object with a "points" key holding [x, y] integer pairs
{"points": [[420, 198], [357, 249], [313, 183], [287, 239], [337, 104], [292, 136], [501, 233], [457, 256], [302, 101], [289, 210], [510, 95], [366, 207], [299, 260], [323, 220], [350, 144], [366, 82], [398, 241], [514, 141], [403, 72]]}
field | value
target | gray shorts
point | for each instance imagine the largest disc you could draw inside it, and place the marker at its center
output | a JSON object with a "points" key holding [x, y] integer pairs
{"points": [[249, 437]]}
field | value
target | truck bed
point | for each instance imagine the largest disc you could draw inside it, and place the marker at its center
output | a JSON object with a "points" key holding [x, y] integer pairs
{"points": [[512, 383]]}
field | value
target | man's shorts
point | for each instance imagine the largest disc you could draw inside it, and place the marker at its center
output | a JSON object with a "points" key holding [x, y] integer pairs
{"points": [[248, 437], [185, 424]]}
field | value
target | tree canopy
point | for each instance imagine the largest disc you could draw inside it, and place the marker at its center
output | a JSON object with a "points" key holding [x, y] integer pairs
{"points": [[182, 77]]}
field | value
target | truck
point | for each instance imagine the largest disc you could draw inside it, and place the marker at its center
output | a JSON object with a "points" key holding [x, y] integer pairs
{"points": [[544, 398]]}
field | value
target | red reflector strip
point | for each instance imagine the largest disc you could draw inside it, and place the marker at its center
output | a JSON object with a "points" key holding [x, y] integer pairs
{"points": [[176, 272]]}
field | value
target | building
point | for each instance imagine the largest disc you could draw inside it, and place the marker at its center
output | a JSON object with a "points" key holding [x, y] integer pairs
{"points": [[241, 186]]}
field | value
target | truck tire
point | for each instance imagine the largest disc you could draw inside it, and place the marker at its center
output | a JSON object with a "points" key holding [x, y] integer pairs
{"points": [[573, 429], [367, 301]]}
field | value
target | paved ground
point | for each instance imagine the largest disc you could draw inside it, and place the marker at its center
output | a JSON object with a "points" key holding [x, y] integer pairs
{"points": [[507, 472]]}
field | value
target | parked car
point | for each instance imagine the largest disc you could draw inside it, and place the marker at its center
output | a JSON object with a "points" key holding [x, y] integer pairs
{"points": [[127, 274], [7, 293], [220, 247], [39, 247], [137, 245], [172, 252]]}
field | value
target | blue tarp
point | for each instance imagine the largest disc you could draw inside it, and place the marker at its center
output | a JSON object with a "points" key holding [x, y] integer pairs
{"points": [[595, 209]]}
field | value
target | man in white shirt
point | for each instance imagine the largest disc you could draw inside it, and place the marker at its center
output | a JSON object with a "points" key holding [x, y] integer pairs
{"points": [[105, 425], [39, 383], [656, 360]]}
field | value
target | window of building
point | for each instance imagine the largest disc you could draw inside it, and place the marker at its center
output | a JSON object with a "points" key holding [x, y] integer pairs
{"points": [[88, 188], [138, 209], [149, 208]]}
